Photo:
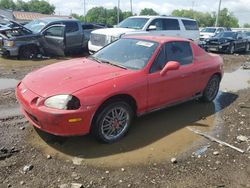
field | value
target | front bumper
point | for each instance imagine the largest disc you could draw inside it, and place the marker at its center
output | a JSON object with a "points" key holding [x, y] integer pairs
{"points": [[216, 48], [9, 51], [52, 121]]}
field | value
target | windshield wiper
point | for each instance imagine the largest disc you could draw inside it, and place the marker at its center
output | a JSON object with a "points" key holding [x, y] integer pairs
{"points": [[95, 59], [117, 65]]}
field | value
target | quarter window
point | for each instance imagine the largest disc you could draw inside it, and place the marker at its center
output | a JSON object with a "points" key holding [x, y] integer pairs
{"points": [[190, 25], [180, 52], [71, 27]]}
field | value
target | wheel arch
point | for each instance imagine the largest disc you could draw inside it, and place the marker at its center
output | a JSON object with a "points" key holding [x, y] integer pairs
{"points": [[119, 97]]}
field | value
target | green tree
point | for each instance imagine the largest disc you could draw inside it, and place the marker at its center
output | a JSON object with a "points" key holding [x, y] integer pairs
{"points": [[21, 6], [126, 14], [7, 4], [148, 11], [246, 25], [227, 19], [77, 16], [40, 6]]}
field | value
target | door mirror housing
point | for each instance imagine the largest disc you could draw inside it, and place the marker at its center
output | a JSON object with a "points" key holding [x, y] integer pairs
{"points": [[151, 28], [170, 66]]}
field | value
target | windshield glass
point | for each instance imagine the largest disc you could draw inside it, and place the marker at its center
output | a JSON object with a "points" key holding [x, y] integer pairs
{"points": [[226, 35], [247, 33], [36, 26], [127, 53], [208, 30], [134, 23]]}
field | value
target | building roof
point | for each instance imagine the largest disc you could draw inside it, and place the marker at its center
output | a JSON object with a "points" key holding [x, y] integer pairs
{"points": [[28, 16]]}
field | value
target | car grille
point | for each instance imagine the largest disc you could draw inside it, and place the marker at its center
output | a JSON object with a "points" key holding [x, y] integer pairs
{"points": [[97, 39]]}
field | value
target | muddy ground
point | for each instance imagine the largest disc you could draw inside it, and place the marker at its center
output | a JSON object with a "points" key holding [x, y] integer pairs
{"points": [[30, 158]]}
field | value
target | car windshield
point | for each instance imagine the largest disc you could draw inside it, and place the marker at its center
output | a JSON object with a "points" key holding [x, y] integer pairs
{"points": [[208, 30], [36, 26], [127, 53], [134, 23], [226, 35]]}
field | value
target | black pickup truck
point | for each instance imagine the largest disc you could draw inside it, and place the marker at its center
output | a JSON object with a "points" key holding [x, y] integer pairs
{"points": [[49, 36]]}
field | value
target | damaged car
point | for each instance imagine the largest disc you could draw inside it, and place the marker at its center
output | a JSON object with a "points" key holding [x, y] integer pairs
{"points": [[132, 76], [228, 42], [49, 36]]}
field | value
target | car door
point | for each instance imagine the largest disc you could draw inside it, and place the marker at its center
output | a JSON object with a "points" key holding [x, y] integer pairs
{"points": [[52, 40], [239, 42], [74, 35], [165, 27], [175, 85]]}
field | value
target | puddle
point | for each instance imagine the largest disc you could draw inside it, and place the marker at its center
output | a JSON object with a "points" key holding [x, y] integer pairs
{"points": [[9, 111], [237, 80], [152, 138], [7, 83]]}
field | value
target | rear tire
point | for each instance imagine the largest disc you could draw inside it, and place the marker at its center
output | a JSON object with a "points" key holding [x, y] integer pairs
{"points": [[28, 52], [211, 89], [112, 121]]}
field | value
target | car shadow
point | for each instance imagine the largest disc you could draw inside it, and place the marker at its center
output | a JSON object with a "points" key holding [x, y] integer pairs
{"points": [[144, 130]]}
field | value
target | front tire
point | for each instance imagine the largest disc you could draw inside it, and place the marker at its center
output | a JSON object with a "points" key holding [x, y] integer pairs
{"points": [[28, 52], [231, 49], [112, 121], [211, 89]]}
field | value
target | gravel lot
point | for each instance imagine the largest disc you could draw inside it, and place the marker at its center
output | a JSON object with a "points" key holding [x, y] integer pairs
{"points": [[159, 150]]}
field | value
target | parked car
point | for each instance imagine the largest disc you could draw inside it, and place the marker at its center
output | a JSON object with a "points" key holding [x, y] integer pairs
{"points": [[209, 32], [247, 34], [132, 76], [49, 36], [229, 42], [88, 28], [151, 25]]}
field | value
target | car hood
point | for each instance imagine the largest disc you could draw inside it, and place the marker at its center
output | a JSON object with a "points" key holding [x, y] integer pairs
{"points": [[206, 35], [70, 76], [221, 39], [116, 32]]}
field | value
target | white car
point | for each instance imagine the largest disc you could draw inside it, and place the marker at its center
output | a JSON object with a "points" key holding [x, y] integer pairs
{"points": [[209, 32], [151, 25]]}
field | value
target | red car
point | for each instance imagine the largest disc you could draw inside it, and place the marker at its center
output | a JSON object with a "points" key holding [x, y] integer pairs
{"points": [[102, 93]]}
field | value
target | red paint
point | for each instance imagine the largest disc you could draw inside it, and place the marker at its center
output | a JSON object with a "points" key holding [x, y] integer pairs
{"points": [[94, 83]]}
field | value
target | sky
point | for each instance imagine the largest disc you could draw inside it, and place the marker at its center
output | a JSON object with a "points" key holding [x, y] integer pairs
{"points": [[240, 8]]}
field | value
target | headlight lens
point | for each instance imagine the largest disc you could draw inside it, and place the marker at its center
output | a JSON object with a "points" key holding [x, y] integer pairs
{"points": [[63, 102], [9, 43]]}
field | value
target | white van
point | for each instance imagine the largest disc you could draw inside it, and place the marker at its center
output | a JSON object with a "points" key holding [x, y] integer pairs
{"points": [[146, 25]]}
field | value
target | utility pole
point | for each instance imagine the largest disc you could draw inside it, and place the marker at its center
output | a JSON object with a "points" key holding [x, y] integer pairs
{"points": [[84, 9], [218, 15], [131, 7], [118, 12]]}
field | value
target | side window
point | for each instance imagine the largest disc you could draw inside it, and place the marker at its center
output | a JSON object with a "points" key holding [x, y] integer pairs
{"points": [[87, 27], [179, 51], [71, 27], [190, 25], [159, 61], [171, 24], [158, 23], [56, 31]]}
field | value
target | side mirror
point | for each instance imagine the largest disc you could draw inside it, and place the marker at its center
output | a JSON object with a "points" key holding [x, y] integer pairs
{"points": [[240, 38], [151, 28], [170, 66]]}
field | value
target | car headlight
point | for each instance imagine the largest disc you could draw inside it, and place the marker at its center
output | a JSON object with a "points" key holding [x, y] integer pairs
{"points": [[63, 102], [8, 43], [114, 38]]}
